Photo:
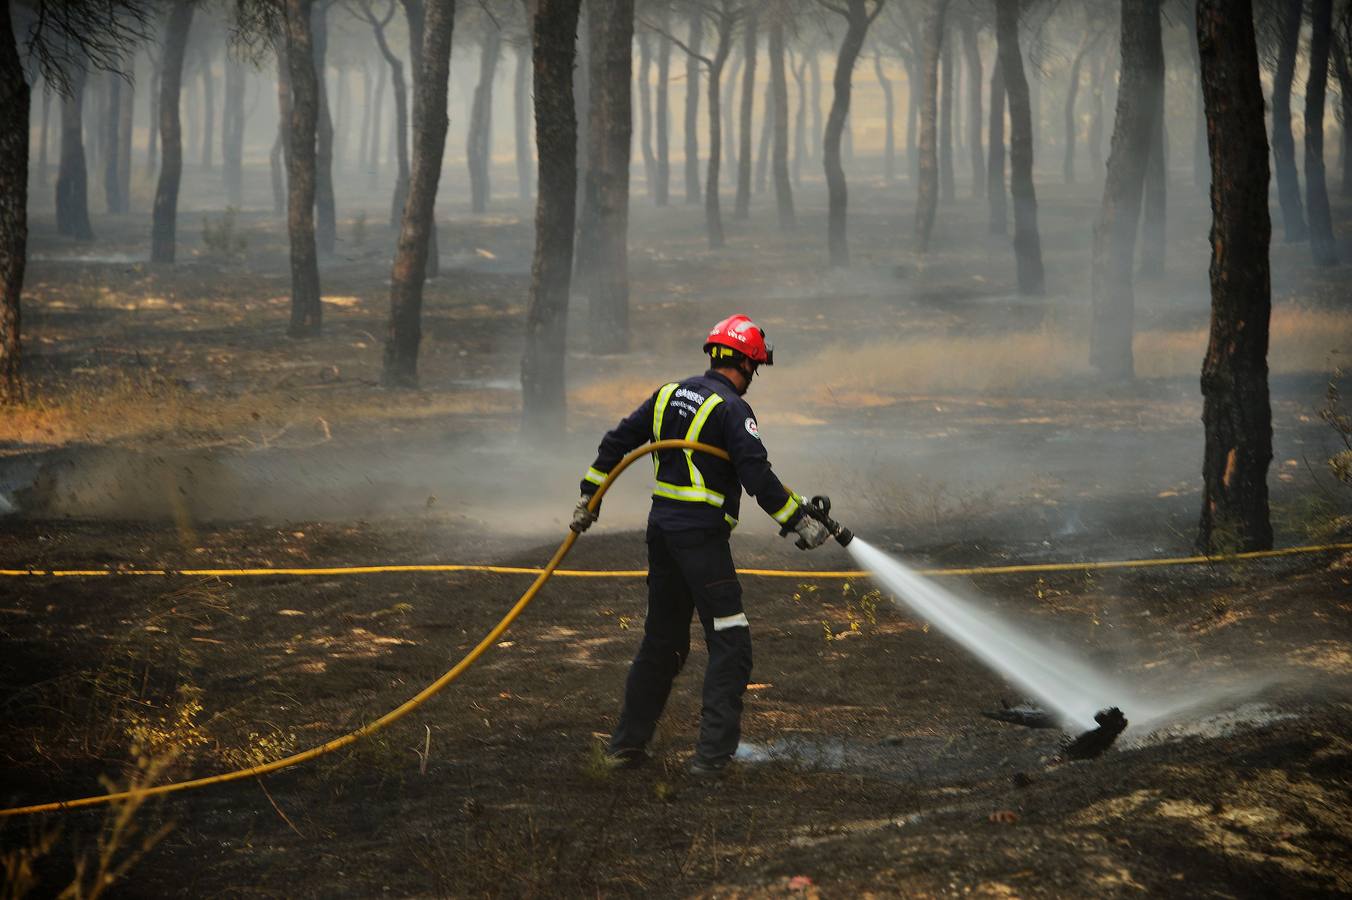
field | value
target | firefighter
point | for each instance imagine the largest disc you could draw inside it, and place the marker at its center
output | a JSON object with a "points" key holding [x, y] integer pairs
{"points": [[695, 506]]}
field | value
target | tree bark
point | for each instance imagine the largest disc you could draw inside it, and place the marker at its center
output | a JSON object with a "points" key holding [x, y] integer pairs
{"points": [[232, 133], [1283, 143], [414, 16], [373, 155], [605, 222], [521, 123], [814, 68], [112, 159], [857, 20], [72, 179], [927, 184], [645, 113], [799, 122], [208, 111], [1114, 250], [152, 128], [996, 200], [692, 65], [163, 232], [731, 73], [1027, 242], [1322, 247], [430, 122], [543, 398], [1154, 213], [975, 82], [779, 91], [367, 108], [479, 142], [1236, 413], [889, 119], [766, 139], [1101, 71], [745, 132], [1072, 93], [326, 213], [1344, 70], [306, 309], [44, 132], [15, 98], [277, 156], [948, 190], [400, 90], [661, 195], [341, 126]]}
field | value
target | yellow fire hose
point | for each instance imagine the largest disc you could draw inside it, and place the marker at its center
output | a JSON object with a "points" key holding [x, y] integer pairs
{"points": [[542, 576]]}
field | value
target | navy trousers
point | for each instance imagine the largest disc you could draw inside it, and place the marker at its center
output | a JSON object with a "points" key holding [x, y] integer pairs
{"points": [[689, 571]]}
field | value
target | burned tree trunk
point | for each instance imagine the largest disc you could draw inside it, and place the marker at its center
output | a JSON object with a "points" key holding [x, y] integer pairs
{"points": [[479, 143], [1154, 212], [746, 123], [857, 20], [889, 121], [277, 157], [1236, 412], [927, 186], [15, 98], [415, 16], [163, 231], [1322, 247], [729, 131], [326, 213], [543, 399], [779, 157], [400, 91], [1114, 299], [645, 112], [996, 201], [605, 221], [153, 128], [430, 122], [306, 310], [975, 82], [1027, 242], [1344, 70], [948, 190], [661, 194], [692, 64], [72, 179], [232, 133], [713, 215], [1283, 143], [521, 123]]}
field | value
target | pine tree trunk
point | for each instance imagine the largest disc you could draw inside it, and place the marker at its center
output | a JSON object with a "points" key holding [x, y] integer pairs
{"points": [[400, 91], [779, 164], [948, 190], [914, 80], [1154, 213], [729, 130], [889, 118], [713, 215], [479, 142], [766, 139], [799, 122], [996, 199], [605, 225], [1283, 143], [745, 132], [521, 123], [367, 108], [1236, 412], [125, 111], [15, 98], [1072, 123], [662, 193], [692, 66], [543, 398], [1344, 70], [112, 160], [153, 126], [645, 113], [927, 184], [232, 134], [72, 179], [430, 122], [208, 113], [857, 23], [1027, 242], [306, 309], [163, 232], [1101, 70], [378, 126], [326, 213], [814, 68], [1114, 252], [340, 120], [277, 157], [975, 82], [1322, 247]]}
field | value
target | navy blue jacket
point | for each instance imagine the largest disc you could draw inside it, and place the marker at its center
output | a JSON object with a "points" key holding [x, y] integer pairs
{"points": [[697, 490]]}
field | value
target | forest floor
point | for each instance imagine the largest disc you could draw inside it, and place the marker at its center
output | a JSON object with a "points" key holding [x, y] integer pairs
{"points": [[172, 425]]}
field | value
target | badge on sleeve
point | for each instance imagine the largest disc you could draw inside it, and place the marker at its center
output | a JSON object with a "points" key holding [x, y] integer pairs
{"points": [[751, 428]]}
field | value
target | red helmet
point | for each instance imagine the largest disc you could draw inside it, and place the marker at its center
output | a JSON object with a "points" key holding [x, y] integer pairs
{"points": [[743, 335]]}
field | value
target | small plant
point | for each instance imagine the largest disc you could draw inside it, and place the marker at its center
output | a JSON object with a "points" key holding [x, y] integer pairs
{"points": [[1341, 422], [596, 766], [359, 229], [223, 237]]}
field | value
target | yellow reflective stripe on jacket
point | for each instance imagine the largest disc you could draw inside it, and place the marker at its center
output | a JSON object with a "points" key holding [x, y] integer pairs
{"points": [[594, 475], [696, 491], [692, 434], [785, 512], [732, 523], [659, 409], [699, 494]]}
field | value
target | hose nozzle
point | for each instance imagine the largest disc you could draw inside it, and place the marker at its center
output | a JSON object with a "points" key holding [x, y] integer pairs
{"points": [[819, 508]]}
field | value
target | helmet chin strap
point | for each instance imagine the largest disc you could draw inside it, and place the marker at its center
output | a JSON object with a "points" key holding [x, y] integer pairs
{"points": [[748, 369]]}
